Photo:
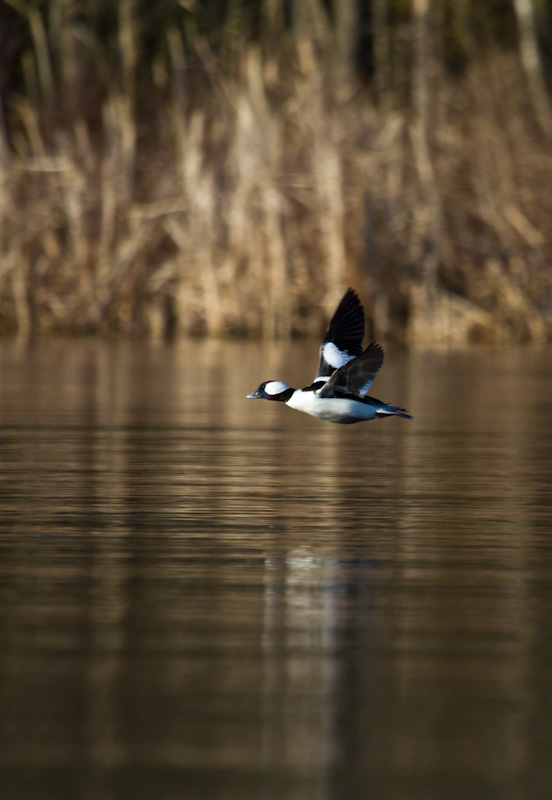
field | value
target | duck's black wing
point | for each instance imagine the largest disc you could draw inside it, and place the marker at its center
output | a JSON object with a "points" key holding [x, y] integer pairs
{"points": [[343, 340], [356, 376]]}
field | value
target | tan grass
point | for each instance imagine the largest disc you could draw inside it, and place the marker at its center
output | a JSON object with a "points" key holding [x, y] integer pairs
{"points": [[248, 208]]}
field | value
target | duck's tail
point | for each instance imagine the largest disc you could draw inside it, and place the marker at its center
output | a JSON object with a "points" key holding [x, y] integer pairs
{"points": [[392, 411]]}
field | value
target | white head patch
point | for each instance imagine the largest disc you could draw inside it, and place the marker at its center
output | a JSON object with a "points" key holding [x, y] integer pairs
{"points": [[275, 387]]}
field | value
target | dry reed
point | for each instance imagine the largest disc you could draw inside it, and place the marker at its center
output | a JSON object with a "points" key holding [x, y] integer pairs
{"points": [[247, 208]]}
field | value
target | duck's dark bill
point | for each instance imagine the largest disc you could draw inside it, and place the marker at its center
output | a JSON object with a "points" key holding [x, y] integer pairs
{"points": [[255, 395]]}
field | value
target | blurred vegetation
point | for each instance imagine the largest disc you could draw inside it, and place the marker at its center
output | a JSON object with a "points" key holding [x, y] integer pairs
{"points": [[230, 166]]}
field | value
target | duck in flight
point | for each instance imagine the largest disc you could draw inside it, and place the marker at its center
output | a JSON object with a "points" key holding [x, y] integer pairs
{"points": [[345, 374]]}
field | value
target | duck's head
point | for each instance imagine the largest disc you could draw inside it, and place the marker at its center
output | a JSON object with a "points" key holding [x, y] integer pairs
{"points": [[272, 390]]}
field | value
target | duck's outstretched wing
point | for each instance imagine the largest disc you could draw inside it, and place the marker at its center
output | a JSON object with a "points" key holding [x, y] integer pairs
{"points": [[343, 340], [355, 377]]}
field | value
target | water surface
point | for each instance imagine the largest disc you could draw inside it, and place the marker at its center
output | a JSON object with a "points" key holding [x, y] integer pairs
{"points": [[206, 597]]}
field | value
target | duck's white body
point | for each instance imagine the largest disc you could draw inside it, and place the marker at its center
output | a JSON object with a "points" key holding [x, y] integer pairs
{"points": [[334, 409], [345, 374]]}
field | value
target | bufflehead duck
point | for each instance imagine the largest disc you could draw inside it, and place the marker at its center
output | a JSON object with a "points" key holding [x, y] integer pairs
{"points": [[345, 374]]}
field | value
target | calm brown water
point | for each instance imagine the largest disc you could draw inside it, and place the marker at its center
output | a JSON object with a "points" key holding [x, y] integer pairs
{"points": [[204, 597]]}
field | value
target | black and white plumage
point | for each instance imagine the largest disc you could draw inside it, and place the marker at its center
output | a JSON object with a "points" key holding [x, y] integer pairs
{"points": [[345, 374], [343, 339]]}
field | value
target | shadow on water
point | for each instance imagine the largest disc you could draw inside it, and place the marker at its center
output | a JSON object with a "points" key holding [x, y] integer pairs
{"points": [[206, 597]]}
